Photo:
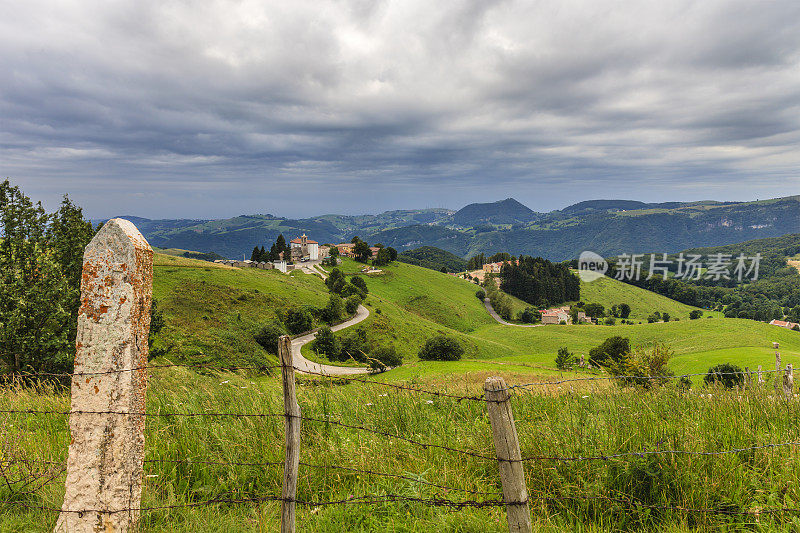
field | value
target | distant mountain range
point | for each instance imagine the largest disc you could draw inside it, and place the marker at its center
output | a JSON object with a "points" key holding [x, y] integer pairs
{"points": [[608, 227]]}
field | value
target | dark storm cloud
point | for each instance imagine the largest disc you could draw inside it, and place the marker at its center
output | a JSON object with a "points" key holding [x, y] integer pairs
{"points": [[216, 108]]}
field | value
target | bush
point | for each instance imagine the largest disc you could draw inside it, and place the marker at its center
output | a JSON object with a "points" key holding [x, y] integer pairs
{"points": [[267, 337], [334, 310], [644, 362], [354, 345], [726, 373], [360, 284], [610, 321], [529, 315], [665, 317], [612, 350], [480, 294], [298, 321], [441, 348], [564, 360], [352, 303], [327, 344], [694, 315], [384, 357]]}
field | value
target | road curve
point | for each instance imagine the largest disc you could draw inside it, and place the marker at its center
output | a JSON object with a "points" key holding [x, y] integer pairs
{"points": [[301, 364], [488, 304]]}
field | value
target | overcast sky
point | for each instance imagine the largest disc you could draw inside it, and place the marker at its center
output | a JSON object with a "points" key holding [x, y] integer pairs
{"points": [[211, 109]]}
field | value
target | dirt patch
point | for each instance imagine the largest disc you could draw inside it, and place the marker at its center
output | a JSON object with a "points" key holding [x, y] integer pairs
{"points": [[794, 263]]}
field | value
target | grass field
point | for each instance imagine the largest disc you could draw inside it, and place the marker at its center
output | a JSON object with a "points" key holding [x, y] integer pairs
{"points": [[212, 314], [597, 419]]}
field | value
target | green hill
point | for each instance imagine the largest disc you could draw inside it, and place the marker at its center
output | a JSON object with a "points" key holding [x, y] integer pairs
{"points": [[212, 313], [608, 291], [433, 258]]}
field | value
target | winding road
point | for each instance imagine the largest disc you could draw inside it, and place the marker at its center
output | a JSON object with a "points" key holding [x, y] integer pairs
{"points": [[488, 304], [301, 364]]}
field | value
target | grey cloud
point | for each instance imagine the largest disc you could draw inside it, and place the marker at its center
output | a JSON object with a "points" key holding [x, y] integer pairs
{"points": [[290, 107]]}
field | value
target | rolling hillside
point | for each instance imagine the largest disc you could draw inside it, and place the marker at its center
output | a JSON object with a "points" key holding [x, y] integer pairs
{"points": [[213, 312], [608, 227]]}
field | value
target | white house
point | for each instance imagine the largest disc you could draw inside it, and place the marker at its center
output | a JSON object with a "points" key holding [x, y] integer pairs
{"points": [[304, 247]]}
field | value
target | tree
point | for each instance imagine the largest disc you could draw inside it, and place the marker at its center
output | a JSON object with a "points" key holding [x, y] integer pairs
{"points": [[564, 360], [530, 315], [361, 251], [594, 310], [728, 374], [333, 251], [336, 281], [441, 348], [267, 337], [613, 349], [352, 303], [298, 321], [480, 294], [384, 257], [35, 296], [624, 310], [695, 314], [360, 284], [384, 357], [392, 253], [255, 256], [665, 317], [67, 237], [644, 362], [327, 344], [334, 310]]}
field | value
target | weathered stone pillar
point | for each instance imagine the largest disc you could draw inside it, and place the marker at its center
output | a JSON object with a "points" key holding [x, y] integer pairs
{"points": [[106, 451]]}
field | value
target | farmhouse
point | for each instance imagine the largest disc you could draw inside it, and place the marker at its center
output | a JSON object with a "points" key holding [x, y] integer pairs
{"points": [[346, 249], [304, 248], [556, 316], [784, 324]]}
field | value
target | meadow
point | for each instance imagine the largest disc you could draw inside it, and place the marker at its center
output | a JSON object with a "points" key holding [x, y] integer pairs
{"points": [[195, 459]]}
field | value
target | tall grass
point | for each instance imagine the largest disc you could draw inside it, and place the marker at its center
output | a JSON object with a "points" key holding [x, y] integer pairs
{"points": [[563, 422]]}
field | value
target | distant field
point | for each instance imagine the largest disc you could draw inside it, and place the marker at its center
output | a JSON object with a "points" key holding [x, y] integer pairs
{"points": [[608, 291]]}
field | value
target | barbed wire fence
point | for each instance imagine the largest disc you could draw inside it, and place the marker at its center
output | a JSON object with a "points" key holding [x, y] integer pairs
{"points": [[26, 476]]}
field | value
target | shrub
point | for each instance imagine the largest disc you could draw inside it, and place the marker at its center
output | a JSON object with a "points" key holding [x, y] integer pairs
{"points": [[352, 303], [384, 357], [612, 350], [564, 360], [695, 314], [529, 315], [644, 362], [327, 344], [359, 282], [354, 345], [665, 317], [267, 337], [298, 321], [726, 373], [480, 294], [610, 321], [441, 348], [334, 310]]}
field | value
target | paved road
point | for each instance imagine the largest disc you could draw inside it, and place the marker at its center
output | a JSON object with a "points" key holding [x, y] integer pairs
{"points": [[301, 364], [488, 304]]}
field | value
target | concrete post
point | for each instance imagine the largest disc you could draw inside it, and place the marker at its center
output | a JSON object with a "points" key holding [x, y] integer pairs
{"points": [[106, 452]]}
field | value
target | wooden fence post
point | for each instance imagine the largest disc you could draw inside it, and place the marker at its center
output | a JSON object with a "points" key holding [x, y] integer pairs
{"points": [[788, 382], [777, 374], [746, 377], [106, 452], [292, 411], [760, 375], [509, 457]]}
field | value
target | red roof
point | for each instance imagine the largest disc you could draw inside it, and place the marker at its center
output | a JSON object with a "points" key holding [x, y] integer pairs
{"points": [[300, 241]]}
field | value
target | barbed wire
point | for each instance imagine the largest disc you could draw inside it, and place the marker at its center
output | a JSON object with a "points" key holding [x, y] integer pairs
{"points": [[395, 386], [623, 377], [143, 413]]}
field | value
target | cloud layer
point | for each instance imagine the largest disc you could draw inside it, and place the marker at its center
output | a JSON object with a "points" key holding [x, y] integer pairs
{"points": [[212, 108]]}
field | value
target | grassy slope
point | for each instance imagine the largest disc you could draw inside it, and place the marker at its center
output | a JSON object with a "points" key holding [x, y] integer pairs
{"points": [[212, 312], [216, 311], [608, 291]]}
